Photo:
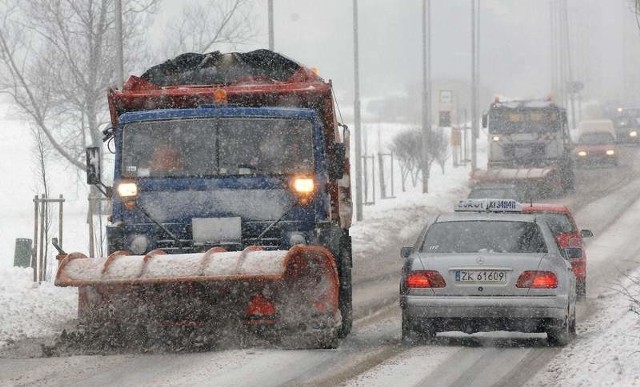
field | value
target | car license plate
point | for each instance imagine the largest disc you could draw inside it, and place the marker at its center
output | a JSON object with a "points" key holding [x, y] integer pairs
{"points": [[481, 276]]}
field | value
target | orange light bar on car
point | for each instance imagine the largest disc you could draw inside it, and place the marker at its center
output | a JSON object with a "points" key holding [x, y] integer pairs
{"points": [[422, 279]]}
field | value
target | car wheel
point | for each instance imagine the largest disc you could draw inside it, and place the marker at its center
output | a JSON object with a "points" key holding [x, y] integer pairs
{"points": [[412, 334], [581, 288], [563, 332]]}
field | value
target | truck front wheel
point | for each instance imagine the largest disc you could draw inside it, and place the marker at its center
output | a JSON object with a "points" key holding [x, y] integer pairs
{"points": [[346, 290]]}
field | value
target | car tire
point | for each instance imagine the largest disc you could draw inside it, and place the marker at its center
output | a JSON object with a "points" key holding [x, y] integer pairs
{"points": [[581, 288], [413, 336], [563, 332]]}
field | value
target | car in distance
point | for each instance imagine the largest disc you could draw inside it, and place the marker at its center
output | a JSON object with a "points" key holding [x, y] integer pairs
{"points": [[627, 129], [481, 269], [596, 143], [569, 237]]}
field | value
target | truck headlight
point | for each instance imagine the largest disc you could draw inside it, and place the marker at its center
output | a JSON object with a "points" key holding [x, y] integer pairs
{"points": [[582, 153], [496, 138], [303, 187], [633, 133], [127, 190], [610, 152]]}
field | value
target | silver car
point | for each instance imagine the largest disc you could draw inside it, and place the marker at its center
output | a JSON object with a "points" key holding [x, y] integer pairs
{"points": [[484, 268]]}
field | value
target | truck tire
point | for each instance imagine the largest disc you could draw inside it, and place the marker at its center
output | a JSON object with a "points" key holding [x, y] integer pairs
{"points": [[346, 289]]}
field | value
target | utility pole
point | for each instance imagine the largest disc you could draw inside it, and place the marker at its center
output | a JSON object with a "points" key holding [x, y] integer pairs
{"points": [[356, 114], [474, 90], [570, 90], [271, 35], [119, 48], [426, 91]]}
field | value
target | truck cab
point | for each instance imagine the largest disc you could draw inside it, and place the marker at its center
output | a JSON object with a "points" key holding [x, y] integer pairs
{"points": [[239, 171], [529, 134]]}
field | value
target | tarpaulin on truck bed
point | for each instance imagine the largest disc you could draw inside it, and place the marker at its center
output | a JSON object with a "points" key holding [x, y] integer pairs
{"points": [[221, 68]]}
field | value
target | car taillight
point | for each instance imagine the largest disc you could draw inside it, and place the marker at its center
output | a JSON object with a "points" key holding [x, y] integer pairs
{"points": [[537, 280], [425, 279]]}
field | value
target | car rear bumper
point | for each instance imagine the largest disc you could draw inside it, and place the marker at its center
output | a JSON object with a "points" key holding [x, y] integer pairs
{"points": [[596, 159], [550, 307]]}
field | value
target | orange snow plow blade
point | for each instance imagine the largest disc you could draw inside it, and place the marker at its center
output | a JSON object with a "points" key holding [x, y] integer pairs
{"points": [[303, 278], [531, 182], [514, 175]]}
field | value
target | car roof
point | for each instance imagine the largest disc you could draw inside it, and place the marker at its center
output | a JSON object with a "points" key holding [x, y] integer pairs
{"points": [[545, 207], [484, 216]]}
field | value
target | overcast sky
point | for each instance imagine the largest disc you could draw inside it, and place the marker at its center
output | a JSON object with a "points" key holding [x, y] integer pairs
{"points": [[515, 42]]}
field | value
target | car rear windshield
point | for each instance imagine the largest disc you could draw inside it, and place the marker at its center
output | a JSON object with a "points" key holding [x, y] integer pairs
{"points": [[558, 223], [484, 237]]}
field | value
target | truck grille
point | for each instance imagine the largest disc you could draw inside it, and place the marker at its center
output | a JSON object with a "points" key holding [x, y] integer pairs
{"points": [[271, 240]]}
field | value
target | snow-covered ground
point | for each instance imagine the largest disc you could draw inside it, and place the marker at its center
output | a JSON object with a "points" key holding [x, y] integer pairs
{"points": [[606, 352]]}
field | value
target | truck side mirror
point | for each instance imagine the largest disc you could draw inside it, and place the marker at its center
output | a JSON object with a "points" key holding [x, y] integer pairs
{"points": [[336, 163], [93, 165], [484, 120], [586, 233]]}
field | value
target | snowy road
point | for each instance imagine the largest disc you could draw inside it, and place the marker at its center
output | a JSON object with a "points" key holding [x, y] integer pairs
{"points": [[372, 354]]}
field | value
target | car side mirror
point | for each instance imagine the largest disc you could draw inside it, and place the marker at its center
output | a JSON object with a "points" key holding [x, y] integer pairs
{"points": [[93, 165], [336, 163], [484, 120], [586, 233], [405, 252]]}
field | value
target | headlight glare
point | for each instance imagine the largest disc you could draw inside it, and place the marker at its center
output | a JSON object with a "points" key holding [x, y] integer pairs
{"points": [[303, 185], [127, 190]]}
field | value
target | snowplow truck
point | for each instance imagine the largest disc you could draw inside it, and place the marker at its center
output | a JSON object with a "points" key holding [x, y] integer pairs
{"points": [[230, 201], [529, 146]]}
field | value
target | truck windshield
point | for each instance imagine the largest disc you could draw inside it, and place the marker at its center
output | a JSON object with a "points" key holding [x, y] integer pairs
{"points": [[523, 121], [217, 147], [596, 138]]}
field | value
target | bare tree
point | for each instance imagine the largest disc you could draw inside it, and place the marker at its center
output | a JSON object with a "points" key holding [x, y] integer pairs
{"points": [[407, 147], [57, 59], [208, 23], [439, 147], [42, 152]]}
